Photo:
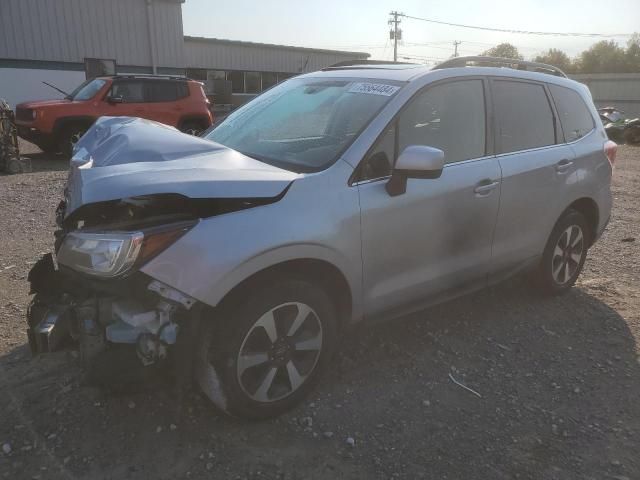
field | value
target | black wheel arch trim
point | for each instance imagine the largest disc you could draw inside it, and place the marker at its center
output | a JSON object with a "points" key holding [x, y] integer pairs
{"points": [[63, 122]]}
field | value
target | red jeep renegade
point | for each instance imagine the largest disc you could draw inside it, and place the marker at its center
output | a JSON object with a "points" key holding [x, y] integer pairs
{"points": [[56, 125]]}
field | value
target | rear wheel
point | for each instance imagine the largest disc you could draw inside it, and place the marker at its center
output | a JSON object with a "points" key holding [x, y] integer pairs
{"points": [[564, 254], [267, 353]]}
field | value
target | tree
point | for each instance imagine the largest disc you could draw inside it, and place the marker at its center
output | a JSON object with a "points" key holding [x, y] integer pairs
{"points": [[603, 57], [504, 50], [557, 58], [633, 54]]}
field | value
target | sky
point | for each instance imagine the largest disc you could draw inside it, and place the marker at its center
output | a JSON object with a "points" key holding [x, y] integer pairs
{"points": [[362, 25]]}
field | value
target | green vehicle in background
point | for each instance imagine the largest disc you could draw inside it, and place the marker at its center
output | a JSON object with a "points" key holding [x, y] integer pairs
{"points": [[618, 128]]}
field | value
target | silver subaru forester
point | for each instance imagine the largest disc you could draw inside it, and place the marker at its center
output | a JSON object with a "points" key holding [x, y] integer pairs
{"points": [[340, 196]]}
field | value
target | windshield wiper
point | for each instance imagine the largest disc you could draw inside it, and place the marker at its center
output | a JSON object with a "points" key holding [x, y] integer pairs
{"points": [[66, 95]]}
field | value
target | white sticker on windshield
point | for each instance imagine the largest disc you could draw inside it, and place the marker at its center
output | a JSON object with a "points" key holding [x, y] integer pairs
{"points": [[373, 89]]}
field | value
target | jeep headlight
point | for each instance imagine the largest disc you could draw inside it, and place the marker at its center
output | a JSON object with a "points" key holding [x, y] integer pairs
{"points": [[114, 254]]}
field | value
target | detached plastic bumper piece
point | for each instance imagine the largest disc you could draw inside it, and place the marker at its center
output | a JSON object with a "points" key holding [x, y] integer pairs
{"points": [[48, 327]]}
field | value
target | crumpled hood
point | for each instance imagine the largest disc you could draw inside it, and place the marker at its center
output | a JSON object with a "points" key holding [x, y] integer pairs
{"points": [[122, 157]]}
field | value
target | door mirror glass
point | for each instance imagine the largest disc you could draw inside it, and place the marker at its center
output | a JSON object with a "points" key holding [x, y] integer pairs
{"points": [[115, 99], [415, 161]]}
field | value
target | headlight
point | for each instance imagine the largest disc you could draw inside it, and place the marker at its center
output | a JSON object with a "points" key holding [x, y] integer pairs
{"points": [[114, 254], [103, 254]]}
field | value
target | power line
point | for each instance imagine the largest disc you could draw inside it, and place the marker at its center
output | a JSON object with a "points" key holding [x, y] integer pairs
{"points": [[525, 32]]}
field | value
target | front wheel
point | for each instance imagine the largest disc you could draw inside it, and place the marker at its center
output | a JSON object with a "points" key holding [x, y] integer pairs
{"points": [[564, 254], [192, 128], [70, 137], [263, 356]]}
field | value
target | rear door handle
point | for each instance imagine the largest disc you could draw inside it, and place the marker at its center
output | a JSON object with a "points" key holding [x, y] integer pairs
{"points": [[485, 187], [563, 165]]}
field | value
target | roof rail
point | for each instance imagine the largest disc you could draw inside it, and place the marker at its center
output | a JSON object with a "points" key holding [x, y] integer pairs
{"points": [[480, 61], [362, 63], [148, 75]]}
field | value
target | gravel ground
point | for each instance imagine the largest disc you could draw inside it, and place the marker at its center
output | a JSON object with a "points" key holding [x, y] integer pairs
{"points": [[558, 382]]}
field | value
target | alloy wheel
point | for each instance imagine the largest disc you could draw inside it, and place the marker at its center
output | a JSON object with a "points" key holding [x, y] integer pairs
{"points": [[279, 352], [567, 254]]}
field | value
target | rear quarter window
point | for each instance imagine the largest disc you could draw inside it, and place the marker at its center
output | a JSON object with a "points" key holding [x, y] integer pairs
{"points": [[524, 116], [166, 91], [575, 117]]}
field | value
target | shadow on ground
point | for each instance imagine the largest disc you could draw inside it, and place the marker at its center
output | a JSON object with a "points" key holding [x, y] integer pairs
{"points": [[557, 379], [45, 162]]}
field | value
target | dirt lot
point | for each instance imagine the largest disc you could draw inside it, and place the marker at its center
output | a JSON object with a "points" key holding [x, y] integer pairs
{"points": [[559, 381]]}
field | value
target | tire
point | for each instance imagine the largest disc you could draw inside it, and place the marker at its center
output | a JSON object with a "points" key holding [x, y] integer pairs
{"points": [[565, 254], [49, 148], [247, 374], [192, 128], [69, 137]]}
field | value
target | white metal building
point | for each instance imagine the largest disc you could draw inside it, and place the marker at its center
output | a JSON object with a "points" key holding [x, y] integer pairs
{"points": [[619, 90], [64, 41]]}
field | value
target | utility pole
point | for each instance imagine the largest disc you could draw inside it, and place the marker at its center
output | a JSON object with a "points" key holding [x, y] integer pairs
{"points": [[395, 34], [455, 45]]}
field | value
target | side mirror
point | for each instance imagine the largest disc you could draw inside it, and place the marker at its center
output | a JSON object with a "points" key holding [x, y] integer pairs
{"points": [[415, 161], [114, 100]]}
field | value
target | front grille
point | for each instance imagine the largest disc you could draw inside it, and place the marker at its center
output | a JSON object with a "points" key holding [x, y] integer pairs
{"points": [[24, 114]]}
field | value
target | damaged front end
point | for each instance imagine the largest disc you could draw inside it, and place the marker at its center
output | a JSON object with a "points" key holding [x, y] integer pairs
{"points": [[119, 326], [134, 189]]}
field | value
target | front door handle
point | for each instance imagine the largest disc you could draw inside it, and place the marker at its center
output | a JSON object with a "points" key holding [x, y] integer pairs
{"points": [[563, 165], [485, 187]]}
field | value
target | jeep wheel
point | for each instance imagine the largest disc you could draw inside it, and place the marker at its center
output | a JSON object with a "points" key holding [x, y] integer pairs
{"points": [[48, 147], [266, 354], [192, 128], [564, 254], [70, 137]]}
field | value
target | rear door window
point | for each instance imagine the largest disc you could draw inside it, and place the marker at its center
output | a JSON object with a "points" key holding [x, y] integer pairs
{"points": [[575, 117], [524, 116], [161, 91]]}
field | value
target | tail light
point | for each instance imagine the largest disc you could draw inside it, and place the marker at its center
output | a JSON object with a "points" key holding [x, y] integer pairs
{"points": [[610, 150]]}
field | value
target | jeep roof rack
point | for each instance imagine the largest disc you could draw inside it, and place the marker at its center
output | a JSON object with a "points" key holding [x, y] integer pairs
{"points": [[148, 75], [480, 61]]}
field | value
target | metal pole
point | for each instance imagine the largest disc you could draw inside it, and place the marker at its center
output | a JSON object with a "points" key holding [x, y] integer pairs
{"points": [[152, 43], [455, 44]]}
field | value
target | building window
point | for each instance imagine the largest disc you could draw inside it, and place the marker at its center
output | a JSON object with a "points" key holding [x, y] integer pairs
{"points": [[269, 79], [216, 75], [283, 76], [197, 74], [237, 81], [98, 67], [253, 82]]}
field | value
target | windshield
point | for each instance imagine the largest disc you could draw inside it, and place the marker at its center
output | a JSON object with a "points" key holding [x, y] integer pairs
{"points": [[303, 124], [87, 90]]}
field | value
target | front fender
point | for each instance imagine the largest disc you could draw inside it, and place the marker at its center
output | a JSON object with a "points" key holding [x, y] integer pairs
{"points": [[308, 223]]}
